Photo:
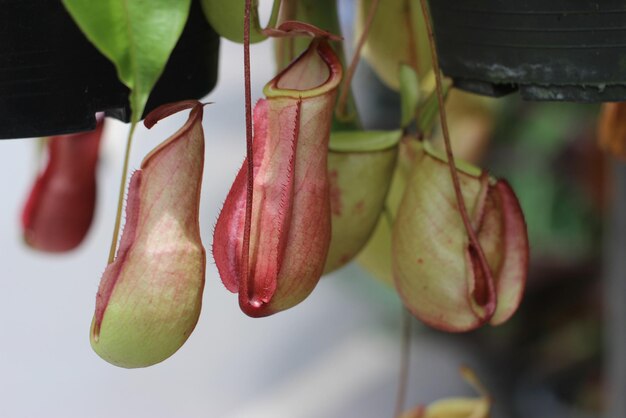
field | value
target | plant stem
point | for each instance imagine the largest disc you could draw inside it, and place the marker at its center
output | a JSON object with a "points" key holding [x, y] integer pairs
{"points": [[286, 48], [245, 251], [356, 57], [405, 362], [408, 22], [120, 198], [446, 139]]}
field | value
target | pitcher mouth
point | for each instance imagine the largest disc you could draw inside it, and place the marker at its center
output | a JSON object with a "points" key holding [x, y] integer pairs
{"points": [[296, 81]]}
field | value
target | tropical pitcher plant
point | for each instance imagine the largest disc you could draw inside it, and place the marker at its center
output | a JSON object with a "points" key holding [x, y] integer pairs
{"points": [[315, 192]]}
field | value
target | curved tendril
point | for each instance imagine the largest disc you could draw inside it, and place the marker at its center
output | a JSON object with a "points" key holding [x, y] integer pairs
{"points": [[120, 199], [474, 243], [405, 362], [412, 46], [245, 251]]}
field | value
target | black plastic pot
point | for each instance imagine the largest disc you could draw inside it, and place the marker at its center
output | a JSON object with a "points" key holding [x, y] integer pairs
{"points": [[570, 50], [53, 81]]}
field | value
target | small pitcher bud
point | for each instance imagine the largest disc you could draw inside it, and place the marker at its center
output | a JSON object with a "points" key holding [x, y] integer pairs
{"points": [[457, 407], [59, 210]]}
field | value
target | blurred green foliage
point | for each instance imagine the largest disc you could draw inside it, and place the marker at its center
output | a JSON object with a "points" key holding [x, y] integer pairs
{"points": [[541, 149]]}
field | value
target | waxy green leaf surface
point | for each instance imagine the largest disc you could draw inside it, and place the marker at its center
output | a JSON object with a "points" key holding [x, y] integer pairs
{"points": [[138, 37], [227, 18]]}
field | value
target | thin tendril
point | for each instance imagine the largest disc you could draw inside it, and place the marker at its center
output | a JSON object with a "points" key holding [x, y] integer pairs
{"points": [[446, 139], [245, 251], [356, 57], [405, 361], [120, 199], [412, 47], [289, 11]]}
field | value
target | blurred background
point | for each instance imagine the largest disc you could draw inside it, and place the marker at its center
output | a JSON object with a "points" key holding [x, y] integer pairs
{"points": [[337, 354]]}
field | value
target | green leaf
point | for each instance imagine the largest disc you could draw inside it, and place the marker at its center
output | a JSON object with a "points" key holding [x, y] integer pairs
{"points": [[428, 114], [138, 36], [364, 141], [429, 109], [227, 18], [409, 93]]}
